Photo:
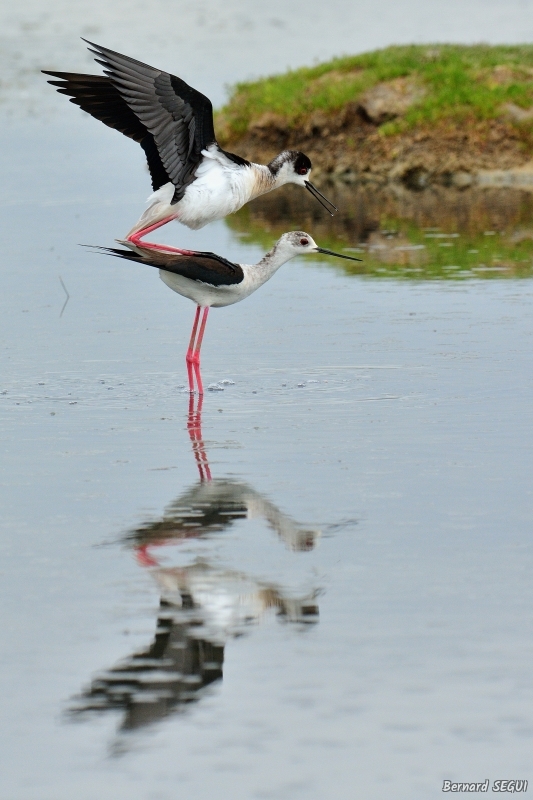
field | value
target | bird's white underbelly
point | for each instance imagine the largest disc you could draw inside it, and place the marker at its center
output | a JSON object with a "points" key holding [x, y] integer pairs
{"points": [[202, 293], [218, 296], [218, 190]]}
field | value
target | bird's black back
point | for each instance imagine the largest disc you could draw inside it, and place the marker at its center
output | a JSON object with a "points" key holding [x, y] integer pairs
{"points": [[207, 268]]}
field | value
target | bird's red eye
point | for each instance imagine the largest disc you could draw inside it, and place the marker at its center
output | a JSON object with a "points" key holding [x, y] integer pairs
{"points": [[302, 171], [304, 241]]}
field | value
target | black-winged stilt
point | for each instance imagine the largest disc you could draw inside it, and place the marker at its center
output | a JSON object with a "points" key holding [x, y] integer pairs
{"points": [[194, 180], [212, 281]]}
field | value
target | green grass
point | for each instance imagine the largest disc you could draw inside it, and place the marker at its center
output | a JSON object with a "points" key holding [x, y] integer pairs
{"points": [[460, 83]]}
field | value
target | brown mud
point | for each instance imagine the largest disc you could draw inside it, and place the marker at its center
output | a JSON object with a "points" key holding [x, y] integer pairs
{"points": [[349, 146]]}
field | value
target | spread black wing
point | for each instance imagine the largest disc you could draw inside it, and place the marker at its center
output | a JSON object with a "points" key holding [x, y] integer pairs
{"points": [[171, 121], [96, 95], [204, 267]]}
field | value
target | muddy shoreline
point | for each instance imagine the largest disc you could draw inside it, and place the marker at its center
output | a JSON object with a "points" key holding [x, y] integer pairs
{"points": [[349, 148]]}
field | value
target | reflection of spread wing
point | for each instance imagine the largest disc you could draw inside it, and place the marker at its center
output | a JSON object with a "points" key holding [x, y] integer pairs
{"points": [[172, 121], [204, 267]]}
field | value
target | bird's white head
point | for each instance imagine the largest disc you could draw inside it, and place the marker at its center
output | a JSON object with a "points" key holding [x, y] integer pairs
{"points": [[297, 243], [291, 166]]}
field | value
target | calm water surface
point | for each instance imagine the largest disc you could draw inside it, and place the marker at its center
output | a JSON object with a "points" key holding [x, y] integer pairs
{"points": [[347, 609]]}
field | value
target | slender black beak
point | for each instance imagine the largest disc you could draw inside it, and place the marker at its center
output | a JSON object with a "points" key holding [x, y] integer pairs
{"points": [[315, 192], [337, 255]]}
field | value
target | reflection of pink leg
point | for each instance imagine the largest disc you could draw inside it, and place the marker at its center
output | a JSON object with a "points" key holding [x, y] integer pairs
{"points": [[135, 238], [144, 558], [203, 464], [189, 358], [194, 426], [206, 467], [196, 352]]}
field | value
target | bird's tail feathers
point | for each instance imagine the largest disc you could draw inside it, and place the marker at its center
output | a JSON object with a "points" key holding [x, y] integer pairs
{"points": [[141, 255]]}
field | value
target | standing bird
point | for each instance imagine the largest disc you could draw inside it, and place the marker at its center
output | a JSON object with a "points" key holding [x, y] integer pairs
{"points": [[194, 180], [212, 281]]}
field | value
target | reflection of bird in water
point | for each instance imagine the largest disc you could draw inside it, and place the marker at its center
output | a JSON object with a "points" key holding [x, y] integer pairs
{"points": [[212, 507], [149, 684], [201, 607], [212, 281], [202, 604], [226, 600], [194, 180]]}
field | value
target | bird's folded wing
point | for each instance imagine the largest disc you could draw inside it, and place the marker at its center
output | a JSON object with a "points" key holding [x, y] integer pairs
{"points": [[204, 267], [179, 118]]}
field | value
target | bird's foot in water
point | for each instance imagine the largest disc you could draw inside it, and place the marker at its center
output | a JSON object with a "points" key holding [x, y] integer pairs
{"points": [[193, 371]]}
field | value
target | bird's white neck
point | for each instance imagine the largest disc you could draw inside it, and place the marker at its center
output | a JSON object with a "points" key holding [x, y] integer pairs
{"points": [[263, 181], [273, 260]]}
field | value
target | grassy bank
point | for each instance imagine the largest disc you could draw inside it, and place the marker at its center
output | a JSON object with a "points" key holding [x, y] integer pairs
{"points": [[458, 82], [390, 97]]}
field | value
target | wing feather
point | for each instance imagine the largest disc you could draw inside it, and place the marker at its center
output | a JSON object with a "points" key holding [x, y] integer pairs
{"points": [[96, 95], [168, 108], [207, 268], [172, 121]]}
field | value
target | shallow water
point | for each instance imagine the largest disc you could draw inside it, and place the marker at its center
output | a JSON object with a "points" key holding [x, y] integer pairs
{"points": [[439, 233], [347, 611]]}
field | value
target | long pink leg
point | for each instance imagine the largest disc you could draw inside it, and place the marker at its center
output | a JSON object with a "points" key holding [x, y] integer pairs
{"points": [[138, 235], [196, 352], [135, 238], [189, 358]]}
